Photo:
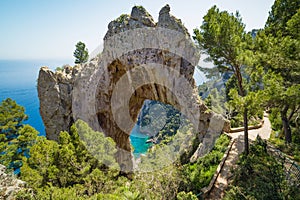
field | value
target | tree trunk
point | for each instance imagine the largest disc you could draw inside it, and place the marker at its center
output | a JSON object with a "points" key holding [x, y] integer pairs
{"points": [[246, 131], [245, 112], [286, 125], [292, 114]]}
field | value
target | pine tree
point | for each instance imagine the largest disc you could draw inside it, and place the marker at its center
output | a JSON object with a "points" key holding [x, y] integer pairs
{"points": [[222, 36], [278, 49], [81, 53], [15, 138]]}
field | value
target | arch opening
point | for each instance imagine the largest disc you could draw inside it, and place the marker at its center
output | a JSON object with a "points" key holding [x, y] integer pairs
{"points": [[156, 123], [135, 78]]}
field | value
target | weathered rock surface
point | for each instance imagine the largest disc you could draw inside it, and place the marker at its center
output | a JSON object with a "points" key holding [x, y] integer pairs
{"points": [[9, 185], [141, 60], [54, 90]]}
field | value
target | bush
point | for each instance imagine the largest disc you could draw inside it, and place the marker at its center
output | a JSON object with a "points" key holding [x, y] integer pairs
{"points": [[186, 196], [260, 176], [198, 175], [293, 149], [275, 119]]}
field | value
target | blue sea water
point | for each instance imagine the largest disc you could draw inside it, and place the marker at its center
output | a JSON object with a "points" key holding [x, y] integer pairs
{"points": [[138, 141], [18, 81]]}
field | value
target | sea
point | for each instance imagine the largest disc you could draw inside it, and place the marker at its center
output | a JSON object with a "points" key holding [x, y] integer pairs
{"points": [[18, 81]]}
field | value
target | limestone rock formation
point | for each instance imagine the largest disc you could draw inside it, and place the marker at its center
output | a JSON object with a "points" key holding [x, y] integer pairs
{"points": [[141, 60], [9, 185], [54, 90], [166, 20]]}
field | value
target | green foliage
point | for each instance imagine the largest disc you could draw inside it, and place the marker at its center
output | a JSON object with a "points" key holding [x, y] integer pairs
{"points": [[15, 138], [50, 192], [24, 194], [186, 196], [81, 53], [277, 49], [260, 176], [68, 163], [253, 101], [221, 100], [236, 193], [281, 78], [62, 68], [82, 165], [293, 25], [12, 117], [100, 147], [282, 11], [141, 8], [122, 18], [198, 175], [170, 151], [292, 149], [67, 169], [158, 114], [158, 184], [275, 119], [203, 89], [211, 73], [230, 84], [59, 69], [216, 101], [278, 93], [222, 36], [40, 167]]}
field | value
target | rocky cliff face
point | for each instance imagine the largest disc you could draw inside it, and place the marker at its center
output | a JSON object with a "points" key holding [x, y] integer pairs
{"points": [[141, 60], [54, 91]]}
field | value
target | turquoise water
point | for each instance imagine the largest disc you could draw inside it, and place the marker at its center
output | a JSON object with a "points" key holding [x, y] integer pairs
{"points": [[138, 141], [18, 80]]}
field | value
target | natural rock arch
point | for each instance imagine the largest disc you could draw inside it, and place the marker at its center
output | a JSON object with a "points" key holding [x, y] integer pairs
{"points": [[141, 60]]}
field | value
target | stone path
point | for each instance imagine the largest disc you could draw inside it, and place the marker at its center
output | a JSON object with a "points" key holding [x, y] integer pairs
{"points": [[217, 191], [264, 132]]}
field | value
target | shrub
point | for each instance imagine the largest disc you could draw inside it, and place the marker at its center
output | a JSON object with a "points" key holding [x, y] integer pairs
{"points": [[260, 176], [198, 175], [186, 196]]}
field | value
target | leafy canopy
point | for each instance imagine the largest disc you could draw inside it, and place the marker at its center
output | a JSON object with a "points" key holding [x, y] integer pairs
{"points": [[222, 36], [71, 161], [282, 11]]}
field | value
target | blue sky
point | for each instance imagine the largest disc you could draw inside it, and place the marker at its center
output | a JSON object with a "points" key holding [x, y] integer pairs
{"points": [[49, 29]]}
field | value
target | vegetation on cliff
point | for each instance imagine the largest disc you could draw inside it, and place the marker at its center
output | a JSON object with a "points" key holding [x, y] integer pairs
{"points": [[81, 53], [269, 67], [160, 121], [15, 137], [82, 165], [266, 71], [261, 176]]}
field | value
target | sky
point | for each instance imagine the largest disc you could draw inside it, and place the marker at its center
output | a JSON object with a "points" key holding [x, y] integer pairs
{"points": [[49, 29]]}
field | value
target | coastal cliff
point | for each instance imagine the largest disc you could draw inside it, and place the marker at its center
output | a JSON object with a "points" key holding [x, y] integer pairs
{"points": [[54, 91], [141, 59]]}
